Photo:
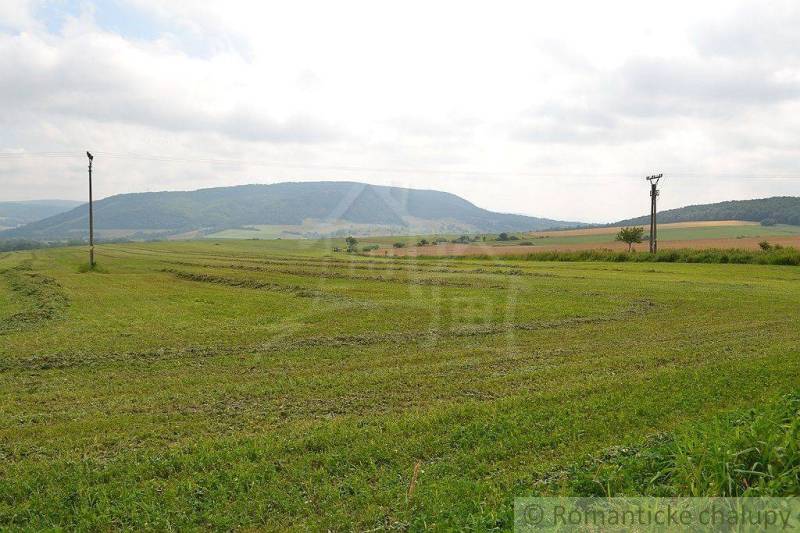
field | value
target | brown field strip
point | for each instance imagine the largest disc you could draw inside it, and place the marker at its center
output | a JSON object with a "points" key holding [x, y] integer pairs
{"points": [[614, 229], [450, 249]]}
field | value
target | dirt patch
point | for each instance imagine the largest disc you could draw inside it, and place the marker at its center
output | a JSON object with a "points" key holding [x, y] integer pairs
{"points": [[450, 249]]}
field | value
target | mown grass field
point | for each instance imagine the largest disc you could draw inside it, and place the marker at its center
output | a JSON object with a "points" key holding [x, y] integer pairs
{"points": [[275, 384]]}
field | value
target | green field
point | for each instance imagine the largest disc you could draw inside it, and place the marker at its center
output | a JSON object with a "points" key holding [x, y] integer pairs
{"points": [[275, 384]]}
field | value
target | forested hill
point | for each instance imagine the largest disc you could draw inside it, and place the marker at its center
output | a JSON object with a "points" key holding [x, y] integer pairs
{"points": [[775, 210], [317, 205], [14, 214]]}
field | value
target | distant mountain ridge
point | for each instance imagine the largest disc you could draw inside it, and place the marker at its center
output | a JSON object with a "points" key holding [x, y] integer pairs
{"points": [[313, 206], [14, 214], [774, 210]]}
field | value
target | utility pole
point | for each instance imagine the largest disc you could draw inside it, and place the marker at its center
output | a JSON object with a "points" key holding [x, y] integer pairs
{"points": [[653, 210], [91, 214]]}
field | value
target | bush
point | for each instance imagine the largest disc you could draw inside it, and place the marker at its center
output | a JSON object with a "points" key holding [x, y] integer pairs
{"points": [[773, 256], [422, 242], [399, 245], [83, 268], [630, 235], [769, 222], [369, 247]]}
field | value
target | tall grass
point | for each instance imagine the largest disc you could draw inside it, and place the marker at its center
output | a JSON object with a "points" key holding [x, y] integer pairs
{"points": [[779, 256], [756, 453]]}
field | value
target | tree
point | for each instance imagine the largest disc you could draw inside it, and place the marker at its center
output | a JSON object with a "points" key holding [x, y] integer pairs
{"points": [[352, 243], [503, 236], [630, 235]]}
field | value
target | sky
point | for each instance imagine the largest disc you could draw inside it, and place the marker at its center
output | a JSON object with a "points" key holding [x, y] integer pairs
{"points": [[553, 109]]}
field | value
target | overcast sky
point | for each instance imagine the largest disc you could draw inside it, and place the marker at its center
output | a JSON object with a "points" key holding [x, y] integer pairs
{"points": [[555, 109]]}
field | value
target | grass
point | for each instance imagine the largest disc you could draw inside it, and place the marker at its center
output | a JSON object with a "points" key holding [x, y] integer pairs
{"points": [[276, 385], [750, 453]]}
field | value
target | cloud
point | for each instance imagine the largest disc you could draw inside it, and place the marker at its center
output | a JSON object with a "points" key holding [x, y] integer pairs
{"points": [[766, 32], [103, 77], [652, 86], [471, 98]]}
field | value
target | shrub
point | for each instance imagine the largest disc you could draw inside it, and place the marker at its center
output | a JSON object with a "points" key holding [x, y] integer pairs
{"points": [[630, 235], [399, 245], [773, 256], [83, 268]]}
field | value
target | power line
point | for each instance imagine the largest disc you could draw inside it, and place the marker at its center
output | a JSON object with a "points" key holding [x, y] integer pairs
{"points": [[400, 170], [13, 155]]}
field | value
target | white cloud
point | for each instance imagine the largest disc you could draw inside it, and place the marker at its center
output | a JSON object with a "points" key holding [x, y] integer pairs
{"points": [[552, 110]]}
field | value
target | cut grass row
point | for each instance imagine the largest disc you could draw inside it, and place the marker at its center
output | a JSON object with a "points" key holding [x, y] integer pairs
{"points": [[40, 298]]}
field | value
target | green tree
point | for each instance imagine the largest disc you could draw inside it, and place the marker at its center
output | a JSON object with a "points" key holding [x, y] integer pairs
{"points": [[630, 235], [352, 243]]}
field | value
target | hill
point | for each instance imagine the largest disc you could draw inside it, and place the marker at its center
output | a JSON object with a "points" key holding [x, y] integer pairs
{"points": [[775, 210], [13, 214], [309, 209]]}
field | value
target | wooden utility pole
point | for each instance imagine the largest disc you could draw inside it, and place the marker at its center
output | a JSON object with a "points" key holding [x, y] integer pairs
{"points": [[91, 214], [653, 210]]}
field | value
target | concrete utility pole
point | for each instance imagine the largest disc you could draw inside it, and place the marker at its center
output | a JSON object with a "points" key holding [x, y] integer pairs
{"points": [[91, 214], [653, 210]]}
